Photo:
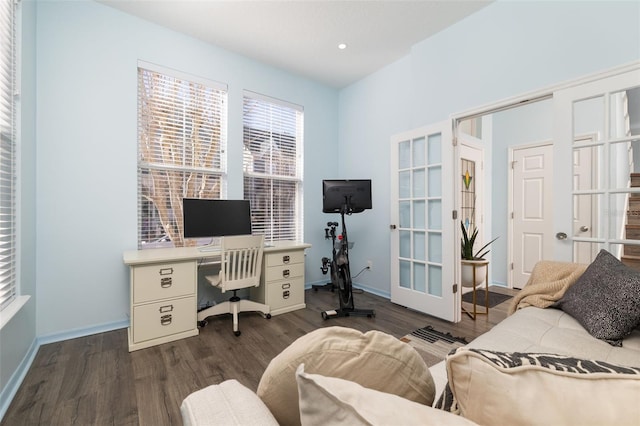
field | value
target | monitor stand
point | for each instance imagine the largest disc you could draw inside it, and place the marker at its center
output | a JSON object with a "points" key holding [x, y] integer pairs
{"points": [[213, 246]]}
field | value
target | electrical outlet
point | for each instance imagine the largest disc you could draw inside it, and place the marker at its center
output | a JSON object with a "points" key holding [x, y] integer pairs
{"points": [[369, 264]]}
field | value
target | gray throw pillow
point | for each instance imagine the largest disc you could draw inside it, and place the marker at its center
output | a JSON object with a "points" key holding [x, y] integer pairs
{"points": [[605, 300]]}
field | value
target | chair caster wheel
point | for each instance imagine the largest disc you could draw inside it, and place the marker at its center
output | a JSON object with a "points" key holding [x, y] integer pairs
{"points": [[202, 323], [268, 316], [237, 333], [325, 316]]}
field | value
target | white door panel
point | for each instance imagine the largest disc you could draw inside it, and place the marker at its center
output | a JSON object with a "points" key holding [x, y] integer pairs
{"points": [[532, 176], [422, 252], [594, 215], [585, 173], [471, 204]]}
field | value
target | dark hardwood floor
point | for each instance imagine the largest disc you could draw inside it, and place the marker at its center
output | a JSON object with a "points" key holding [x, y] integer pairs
{"points": [[94, 380]]}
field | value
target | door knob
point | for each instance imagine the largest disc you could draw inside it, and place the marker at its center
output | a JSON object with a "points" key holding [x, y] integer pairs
{"points": [[561, 236], [584, 228]]}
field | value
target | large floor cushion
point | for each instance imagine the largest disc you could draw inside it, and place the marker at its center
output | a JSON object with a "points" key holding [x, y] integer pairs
{"points": [[374, 360]]}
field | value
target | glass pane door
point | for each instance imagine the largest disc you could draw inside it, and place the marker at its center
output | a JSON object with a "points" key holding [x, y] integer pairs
{"points": [[603, 135], [419, 244]]}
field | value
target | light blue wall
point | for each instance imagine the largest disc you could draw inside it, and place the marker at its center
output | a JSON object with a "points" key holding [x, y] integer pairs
{"points": [[505, 49], [86, 162]]}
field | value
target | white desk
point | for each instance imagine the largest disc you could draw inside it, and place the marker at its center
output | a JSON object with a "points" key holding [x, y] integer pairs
{"points": [[164, 284]]}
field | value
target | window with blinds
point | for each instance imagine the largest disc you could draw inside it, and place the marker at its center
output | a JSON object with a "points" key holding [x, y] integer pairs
{"points": [[7, 154], [272, 135], [182, 122]]}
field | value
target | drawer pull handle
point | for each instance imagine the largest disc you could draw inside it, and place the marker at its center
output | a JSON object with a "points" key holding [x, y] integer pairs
{"points": [[286, 259], [166, 308], [166, 271], [165, 282], [286, 294], [165, 319], [285, 273], [286, 286]]}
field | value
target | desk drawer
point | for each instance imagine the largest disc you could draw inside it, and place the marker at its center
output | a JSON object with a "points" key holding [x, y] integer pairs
{"points": [[161, 319], [282, 272], [284, 258], [285, 293], [163, 281]]}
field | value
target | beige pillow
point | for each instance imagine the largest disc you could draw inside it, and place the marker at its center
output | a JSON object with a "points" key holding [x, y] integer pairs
{"points": [[228, 403], [326, 401], [374, 359], [541, 389]]}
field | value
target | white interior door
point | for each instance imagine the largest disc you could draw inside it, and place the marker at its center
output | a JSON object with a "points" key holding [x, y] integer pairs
{"points": [[472, 194], [532, 210], [585, 174], [422, 234], [599, 196]]}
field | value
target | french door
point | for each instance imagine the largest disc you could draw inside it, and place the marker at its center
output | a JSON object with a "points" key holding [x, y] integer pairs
{"points": [[597, 132], [422, 233]]}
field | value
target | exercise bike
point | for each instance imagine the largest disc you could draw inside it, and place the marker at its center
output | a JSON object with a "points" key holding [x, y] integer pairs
{"points": [[341, 273], [327, 264]]}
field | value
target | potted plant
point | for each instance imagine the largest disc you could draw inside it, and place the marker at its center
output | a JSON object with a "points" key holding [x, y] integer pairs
{"points": [[472, 260]]}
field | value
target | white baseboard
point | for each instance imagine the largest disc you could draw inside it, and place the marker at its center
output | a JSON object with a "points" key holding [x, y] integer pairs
{"points": [[10, 390]]}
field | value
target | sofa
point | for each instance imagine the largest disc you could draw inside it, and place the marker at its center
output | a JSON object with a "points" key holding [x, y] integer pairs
{"points": [[543, 364]]}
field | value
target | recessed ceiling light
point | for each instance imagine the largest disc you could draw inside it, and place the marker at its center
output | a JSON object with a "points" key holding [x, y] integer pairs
{"points": [[342, 46]]}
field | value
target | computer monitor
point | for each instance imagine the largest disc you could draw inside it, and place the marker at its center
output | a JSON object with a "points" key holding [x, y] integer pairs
{"points": [[215, 218], [353, 194]]}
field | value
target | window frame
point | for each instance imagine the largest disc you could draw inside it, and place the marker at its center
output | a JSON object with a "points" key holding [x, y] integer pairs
{"points": [[10, 299], [201, 158], [265, 214]]}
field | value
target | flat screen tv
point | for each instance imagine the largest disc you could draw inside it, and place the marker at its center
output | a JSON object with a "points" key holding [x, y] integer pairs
{"points": [[215, 218], [346, 195]]}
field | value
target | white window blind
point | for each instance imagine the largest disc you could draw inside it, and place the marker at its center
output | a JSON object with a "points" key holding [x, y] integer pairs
{"points": [[7, 154], [182, 122], [272, 134]]}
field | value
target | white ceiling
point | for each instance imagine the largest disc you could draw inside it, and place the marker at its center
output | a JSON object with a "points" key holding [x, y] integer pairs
{"points": [[301, 36]]}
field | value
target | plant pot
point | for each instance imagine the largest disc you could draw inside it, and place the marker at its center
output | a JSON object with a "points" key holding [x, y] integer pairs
{"points": [[467, 268]]}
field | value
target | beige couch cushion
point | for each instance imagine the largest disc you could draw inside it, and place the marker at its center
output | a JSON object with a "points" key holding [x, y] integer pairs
{"points": [[229, 403], [554, 331], [327, 401], [541, 389], [374, 359], [547, 330]]}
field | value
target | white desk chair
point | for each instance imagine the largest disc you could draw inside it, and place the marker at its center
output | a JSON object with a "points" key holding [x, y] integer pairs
{"points": [[240, 267]]}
